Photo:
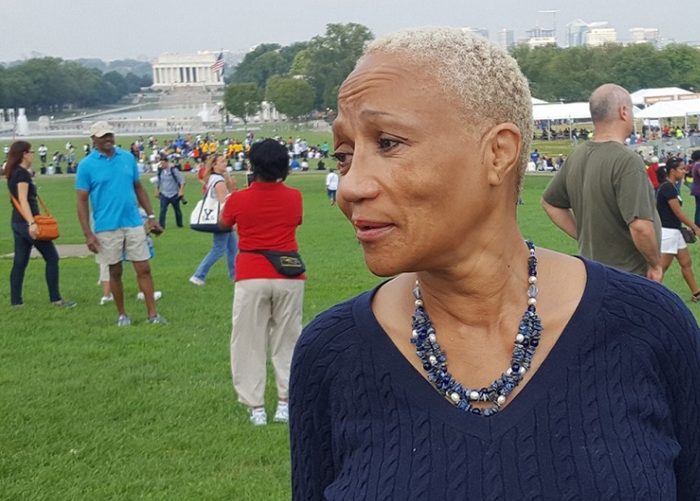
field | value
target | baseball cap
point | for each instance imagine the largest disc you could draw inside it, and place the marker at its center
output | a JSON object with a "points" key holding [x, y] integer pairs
{"points": [[99, 129]]}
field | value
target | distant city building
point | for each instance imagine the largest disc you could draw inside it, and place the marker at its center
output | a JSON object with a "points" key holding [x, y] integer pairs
{"points": [[482, 32], [596, 37], [540, 37], [576, 33], [645, 35], [538, 32], [506, 39], [533, 42], [187, 70]]}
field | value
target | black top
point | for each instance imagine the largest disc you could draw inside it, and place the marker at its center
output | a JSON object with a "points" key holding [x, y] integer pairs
{"points": [[22, 175], [666, 192]]}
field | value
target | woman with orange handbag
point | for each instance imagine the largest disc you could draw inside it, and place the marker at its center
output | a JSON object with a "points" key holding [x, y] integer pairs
{"points": [[24, 228]]}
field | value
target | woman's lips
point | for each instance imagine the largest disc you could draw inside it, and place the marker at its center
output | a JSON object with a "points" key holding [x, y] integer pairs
{"points": [[371, 231]]}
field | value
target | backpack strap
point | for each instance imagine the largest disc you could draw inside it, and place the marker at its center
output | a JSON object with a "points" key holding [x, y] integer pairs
{"points": [[177, 181]]}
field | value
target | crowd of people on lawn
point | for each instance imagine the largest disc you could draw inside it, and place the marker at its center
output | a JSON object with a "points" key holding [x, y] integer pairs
{"points": [[567, 375]]}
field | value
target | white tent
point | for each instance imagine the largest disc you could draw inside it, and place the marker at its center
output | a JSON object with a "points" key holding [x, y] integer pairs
{"points": [[671, 109], [569, 111], [639, 97], [537, 101], [561, 111]]}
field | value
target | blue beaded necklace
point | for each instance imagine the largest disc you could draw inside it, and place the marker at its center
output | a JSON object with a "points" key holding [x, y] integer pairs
{"points": [[434, 360]]}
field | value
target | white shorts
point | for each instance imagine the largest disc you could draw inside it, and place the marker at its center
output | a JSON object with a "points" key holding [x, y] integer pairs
{"points": [[104, 272], [128, 243], [672, 241]]}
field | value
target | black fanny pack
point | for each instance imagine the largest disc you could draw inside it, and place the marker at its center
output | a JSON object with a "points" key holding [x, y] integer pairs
{"points": [[287, 263]]}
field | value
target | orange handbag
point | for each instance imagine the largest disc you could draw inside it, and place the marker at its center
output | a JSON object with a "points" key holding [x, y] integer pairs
{"points": [[46, 224]]}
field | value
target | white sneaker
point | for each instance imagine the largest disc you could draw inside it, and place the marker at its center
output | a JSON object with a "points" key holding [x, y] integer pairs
{"points": [[106, 299], [282, 413], [156, 295], [258, 417], [196, 281]]}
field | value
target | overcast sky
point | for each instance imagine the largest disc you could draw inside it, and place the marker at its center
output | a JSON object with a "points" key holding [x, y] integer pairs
{"points": [[146, 28]]}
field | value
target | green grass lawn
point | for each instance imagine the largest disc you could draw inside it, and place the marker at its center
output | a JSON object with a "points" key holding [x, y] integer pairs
{"points": [[91, 411]]}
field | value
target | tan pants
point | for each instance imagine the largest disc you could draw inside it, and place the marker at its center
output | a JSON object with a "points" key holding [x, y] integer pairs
{"points": [[266, 312]]}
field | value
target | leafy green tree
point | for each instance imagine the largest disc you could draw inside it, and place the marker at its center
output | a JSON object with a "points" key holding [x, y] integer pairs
{"points": [[292, 96], [331, 58], [685, 65], [242, 99], [117, 81], [133, 82], [301, 65]]}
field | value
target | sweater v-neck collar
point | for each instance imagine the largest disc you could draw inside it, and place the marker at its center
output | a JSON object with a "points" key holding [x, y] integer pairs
{"points": [[551, 371]]}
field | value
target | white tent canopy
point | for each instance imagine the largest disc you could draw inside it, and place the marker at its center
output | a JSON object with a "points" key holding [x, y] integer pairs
{"points": [[537, 101], [671, 109], [561, 111], [638, 98], [571, 111]]}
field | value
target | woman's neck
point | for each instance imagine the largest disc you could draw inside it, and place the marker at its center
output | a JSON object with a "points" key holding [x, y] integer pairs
{"points": [[488, 282]]}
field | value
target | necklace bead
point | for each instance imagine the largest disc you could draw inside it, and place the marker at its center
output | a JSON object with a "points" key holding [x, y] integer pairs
{"points": [[434, 360]]}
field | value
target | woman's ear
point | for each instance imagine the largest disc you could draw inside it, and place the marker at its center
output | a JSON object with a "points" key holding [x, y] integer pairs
{"points": [[501, 152]]}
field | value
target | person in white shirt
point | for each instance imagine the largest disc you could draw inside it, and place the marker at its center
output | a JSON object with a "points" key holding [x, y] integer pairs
{"points": [[43, 152], [332, 185]]}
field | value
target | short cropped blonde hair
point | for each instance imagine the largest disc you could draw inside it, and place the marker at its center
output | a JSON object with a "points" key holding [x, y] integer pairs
{"points": [[486, 80]]}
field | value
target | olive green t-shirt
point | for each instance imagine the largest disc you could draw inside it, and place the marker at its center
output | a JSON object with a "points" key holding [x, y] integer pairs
{"points": [[607, 187]]}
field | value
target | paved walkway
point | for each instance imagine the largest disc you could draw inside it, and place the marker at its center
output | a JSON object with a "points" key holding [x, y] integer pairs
{"points": [[64, 250]]}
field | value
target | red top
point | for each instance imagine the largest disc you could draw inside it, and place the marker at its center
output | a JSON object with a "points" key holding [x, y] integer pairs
{"points": [[267, 216], [651, 172]]}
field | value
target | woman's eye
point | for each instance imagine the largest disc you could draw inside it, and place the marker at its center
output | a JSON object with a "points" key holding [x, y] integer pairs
{"points": [[386, 144], [342, 158]]}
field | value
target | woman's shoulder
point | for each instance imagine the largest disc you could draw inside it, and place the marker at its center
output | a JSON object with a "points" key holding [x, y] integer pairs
{"points": [[215, 178], [335, 327], [648, 312], [20, 175]]}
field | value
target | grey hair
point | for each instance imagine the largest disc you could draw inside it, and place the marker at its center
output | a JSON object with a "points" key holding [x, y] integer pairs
{"points": [[606, 100], [486, 80]]}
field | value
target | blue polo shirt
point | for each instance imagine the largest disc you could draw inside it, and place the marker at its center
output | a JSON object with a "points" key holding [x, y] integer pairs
{"points": [[110, 183]]}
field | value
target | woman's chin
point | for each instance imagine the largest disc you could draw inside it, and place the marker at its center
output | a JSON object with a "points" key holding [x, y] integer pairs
{"points": [[384, 266]]}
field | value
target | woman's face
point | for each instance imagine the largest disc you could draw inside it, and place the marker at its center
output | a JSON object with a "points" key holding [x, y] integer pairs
{"points": [[412, 181], [27, 157], [220, 164]]}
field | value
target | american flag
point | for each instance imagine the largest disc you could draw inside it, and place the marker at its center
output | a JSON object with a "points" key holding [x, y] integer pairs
{"points": [[219, 63]]}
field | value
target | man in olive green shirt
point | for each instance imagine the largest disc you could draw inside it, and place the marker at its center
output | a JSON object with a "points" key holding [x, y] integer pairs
{"points": [[602, 196]]}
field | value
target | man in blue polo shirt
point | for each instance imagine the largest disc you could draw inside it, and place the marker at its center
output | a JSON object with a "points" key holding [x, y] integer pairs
{"points": [[109, 179]]}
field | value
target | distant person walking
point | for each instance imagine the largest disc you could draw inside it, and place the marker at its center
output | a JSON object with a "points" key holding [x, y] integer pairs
{"points": [[668, 203], [170, 188], [109, 179], [218, 185], [331, 185], [24, 229], [602, 196], [695, 187]]}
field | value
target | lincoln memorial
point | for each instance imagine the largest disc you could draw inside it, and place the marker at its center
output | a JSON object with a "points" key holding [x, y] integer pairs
{"points": [[186, 70]]}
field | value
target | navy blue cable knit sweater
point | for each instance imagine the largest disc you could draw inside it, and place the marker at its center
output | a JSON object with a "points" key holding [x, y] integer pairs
{"points": [[612, 413]]}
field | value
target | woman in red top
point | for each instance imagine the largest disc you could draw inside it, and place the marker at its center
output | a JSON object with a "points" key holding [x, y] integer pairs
{"points": [[267, 305]]}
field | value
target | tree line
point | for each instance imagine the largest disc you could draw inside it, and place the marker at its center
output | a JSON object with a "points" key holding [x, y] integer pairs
{"points": [[571, 74], [298, 78], [45, 85], [305, 76]]}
